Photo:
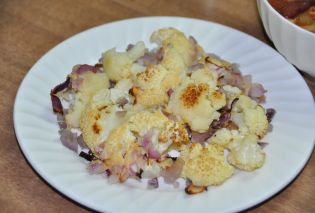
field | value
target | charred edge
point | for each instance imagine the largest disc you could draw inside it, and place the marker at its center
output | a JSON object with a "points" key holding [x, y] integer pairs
{"points": [[188, 129], [87, 156], [192, 189], [112, 84], [55, 101], [138, 174], [270, 114]]}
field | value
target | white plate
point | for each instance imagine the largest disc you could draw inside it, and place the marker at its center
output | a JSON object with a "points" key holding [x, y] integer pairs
{"points": [[291, 141]]}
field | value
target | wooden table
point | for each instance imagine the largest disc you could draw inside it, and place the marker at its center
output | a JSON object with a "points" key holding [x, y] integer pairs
{"points": [[28, 29]]}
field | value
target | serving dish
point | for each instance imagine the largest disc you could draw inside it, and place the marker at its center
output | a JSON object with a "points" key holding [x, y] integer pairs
{"points": [[293, 42]]}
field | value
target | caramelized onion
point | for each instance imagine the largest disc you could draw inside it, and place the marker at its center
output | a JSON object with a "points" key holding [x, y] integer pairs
{"points": [[270, 113], [152, 57], [197, 137], [263, 144], [192, 189], [84, 68], [56, 103]]}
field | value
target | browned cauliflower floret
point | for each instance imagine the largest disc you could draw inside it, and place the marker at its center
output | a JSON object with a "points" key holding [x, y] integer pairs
{"points": [[120, 141], [196, 104], [205, 75], [91, 83], [152, 85], [118, 65], [162, 132], [176, 45], [249, 117], [102, 113], [96, 124], [205, 166], [231, 93], [225, 137], [246, 154]]}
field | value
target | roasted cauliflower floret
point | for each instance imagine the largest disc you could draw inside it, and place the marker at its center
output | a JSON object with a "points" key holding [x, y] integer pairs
{"points": [[163, 132], [118, 65], [152, 85], [249, 117], [121, 152], [196, 104], [205, 75], [91, 82], [125, 144], [144, 121], [205, 166], [121, 91], [224, 137], [119, 142], [246, 154], [231, 93], [96, 124], [101, 114], [176, 45]]}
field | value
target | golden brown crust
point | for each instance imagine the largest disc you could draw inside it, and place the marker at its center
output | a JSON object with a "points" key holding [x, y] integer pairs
{"points": [[192, 93], [206, 166], [192, 189]]}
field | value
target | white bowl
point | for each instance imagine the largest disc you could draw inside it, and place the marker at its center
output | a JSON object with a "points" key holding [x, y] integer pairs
{"points": [[296, 44]]}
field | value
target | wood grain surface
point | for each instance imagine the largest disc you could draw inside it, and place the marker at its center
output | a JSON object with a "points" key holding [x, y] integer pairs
{"points": [[28, 29]]}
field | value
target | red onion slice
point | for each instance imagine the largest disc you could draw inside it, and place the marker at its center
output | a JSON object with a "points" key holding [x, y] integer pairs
{"points": [[154, 154], [170, 92], [133, 169], [148, 146], [76, 83], [61, 121], [84, 68], [69, 139], [56, 103], [153, 183], [146, 141], [130, 47], [172, 173], [197, 137], [81, 142], [152, 57], [256, 92], [263, 144], [96, 167]]}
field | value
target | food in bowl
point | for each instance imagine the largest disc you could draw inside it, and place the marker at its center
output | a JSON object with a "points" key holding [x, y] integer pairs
{"points": [[300, 12], [171, 112]]}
